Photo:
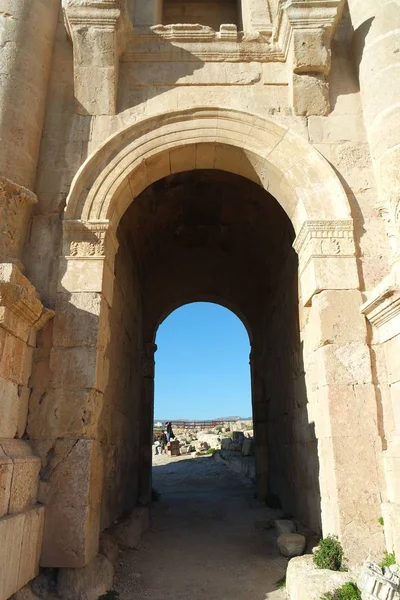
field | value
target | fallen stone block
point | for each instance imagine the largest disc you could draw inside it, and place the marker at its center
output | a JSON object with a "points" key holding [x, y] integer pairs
{"points": [[284, 526], [247, 447], [376, 583], [86, 583], [291, 544], [304, 581]]}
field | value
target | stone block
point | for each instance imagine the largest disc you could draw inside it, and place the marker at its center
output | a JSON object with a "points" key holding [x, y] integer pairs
{"points": [[291, 544], [347, 364], [392, 354], [310, 51], [77, 320], [78, 368], [9, 408], [305, 582], [86, 583], [335, 318], [31, 545], [328, 273], [21, 536], [391, 517], [25, 476], [284, 526], [71, 532], [6, 470], [23, 395], [61, 413], [309, 95], [16, 360], [25, 593]]}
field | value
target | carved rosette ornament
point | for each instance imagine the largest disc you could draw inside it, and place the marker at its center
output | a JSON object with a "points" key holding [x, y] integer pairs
{"points": [[15, 204]]}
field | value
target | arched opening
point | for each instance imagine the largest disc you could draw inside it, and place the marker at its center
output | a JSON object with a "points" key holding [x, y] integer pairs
{"points": [[202, 366], [215, 236], [134, 249]]}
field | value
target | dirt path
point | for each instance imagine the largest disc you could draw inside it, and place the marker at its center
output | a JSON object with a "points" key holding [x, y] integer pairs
{"points": [[203, 543]]}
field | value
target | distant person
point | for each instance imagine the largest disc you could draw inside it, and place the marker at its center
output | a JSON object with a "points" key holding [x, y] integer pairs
{"points": [[163, 441], [170, 433]]}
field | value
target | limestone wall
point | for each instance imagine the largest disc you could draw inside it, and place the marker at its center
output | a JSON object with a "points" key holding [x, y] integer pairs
{"points": [[119, 426], [84, 410]]}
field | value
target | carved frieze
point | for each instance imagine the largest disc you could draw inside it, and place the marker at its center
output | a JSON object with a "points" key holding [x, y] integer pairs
{"points": [[321, 239], [88, 240], [15, 203]]}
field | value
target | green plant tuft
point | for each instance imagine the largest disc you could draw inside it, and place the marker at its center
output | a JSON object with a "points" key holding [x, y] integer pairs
{"points": [[329, 554], [110, 595], [381, 521], [348, 591], [389, 560], [211, 451], [281, 583]]}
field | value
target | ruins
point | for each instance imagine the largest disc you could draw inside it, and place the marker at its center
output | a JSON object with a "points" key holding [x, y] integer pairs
{"points": [[161, 152]]}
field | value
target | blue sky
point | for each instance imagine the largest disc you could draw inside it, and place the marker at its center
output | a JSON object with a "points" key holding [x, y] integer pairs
{"points": [[202, 364]]}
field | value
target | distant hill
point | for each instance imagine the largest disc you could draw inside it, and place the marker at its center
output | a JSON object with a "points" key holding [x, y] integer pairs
{"points": [[233, 418]]}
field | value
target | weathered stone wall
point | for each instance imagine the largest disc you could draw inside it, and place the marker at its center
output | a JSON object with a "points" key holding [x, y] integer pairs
{"points": [[293, 468], [108, 73], [119, 426]]}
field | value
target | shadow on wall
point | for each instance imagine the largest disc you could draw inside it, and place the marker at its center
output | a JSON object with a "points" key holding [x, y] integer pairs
{"points": [[161, 67]]}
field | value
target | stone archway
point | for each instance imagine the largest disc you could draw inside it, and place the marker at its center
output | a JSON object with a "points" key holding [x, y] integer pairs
{"points": [[336, 359]]}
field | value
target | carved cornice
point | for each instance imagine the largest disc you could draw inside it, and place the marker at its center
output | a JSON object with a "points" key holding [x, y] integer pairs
{"points": [[92, 240], [322, 230], [382, 308]]}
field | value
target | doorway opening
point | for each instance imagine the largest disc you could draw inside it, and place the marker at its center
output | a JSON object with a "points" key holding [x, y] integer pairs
{"points": [[213, 236]]}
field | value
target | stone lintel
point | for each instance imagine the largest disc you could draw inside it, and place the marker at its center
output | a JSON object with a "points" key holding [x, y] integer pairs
{"points": [[326, 252]]}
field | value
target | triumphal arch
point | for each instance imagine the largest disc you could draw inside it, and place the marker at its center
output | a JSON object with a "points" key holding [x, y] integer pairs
{"points": [[159, 152]]}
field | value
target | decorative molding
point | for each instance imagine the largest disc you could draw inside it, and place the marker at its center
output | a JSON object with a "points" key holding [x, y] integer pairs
{"points": [[15, 204], [89, 240], [382, 308], [321, 239]]}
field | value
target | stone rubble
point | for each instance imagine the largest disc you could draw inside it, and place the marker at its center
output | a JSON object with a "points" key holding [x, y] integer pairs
{"points": [[378, 583]]}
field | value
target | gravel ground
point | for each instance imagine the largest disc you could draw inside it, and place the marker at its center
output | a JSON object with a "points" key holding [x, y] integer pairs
{"points": [[203, 543]]}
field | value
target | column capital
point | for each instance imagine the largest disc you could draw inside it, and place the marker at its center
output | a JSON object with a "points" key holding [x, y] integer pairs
{"points": [[327, 257]]}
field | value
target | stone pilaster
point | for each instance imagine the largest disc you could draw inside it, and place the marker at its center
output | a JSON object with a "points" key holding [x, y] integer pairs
{"points": [[78, 368]]}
